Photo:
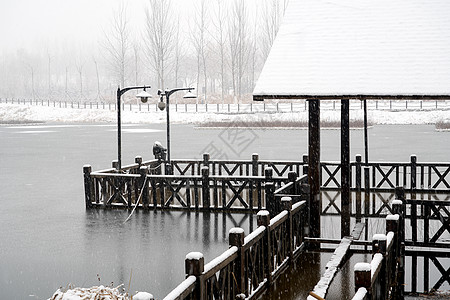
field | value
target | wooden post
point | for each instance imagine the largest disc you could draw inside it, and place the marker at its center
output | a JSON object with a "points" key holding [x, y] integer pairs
{"points": [[138, 160], [305, 164], [379, 245], [236, 238], [205, 187], [268, 173], [413, 172], [255, 158], [398, 207], [358, 184], [194, 266], [206, 158], [263, 219], [345, 167], [314, 166], [363, 278], [292, 177], [270, 198], [286, 204], [358, 173], [87, 169], [143, 170], [115, 164]]}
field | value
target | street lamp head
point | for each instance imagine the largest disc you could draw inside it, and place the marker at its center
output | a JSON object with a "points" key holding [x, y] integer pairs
{"points": [[144, 96], [189, 95], [161, 104]]}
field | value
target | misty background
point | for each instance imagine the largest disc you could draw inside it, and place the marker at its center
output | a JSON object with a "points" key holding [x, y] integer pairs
{"points": [[83, 50]]}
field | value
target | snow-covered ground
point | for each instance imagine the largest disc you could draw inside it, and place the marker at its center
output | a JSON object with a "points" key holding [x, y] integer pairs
{"points": [[27, 113]]}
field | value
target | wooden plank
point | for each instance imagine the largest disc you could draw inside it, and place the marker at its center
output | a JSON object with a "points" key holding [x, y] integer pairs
{"points": [[336, 261], [357, 230]]}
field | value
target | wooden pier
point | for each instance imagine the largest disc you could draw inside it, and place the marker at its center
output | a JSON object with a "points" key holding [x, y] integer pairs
{"points": [[278, 191]]}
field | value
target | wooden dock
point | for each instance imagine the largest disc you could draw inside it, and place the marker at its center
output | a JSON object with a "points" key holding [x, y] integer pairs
{"points": [[279, 193]]}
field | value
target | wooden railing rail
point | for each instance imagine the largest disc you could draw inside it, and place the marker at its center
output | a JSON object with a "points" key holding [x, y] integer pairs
{"points": [[250, 265]]}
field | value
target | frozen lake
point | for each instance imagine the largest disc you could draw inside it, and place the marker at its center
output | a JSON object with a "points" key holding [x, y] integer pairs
{"points": [[49, 240]]}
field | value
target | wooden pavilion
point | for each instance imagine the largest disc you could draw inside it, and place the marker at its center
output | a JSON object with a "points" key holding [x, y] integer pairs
{"points": [[353, 49]]}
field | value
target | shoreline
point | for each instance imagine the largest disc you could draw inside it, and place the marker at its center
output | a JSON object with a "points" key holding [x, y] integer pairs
{"points": [[18, 114]]}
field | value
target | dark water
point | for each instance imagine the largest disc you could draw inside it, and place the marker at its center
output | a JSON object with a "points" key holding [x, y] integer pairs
{"points": [[49, 240]]}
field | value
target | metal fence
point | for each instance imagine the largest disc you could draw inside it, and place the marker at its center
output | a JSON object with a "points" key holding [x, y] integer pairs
{"points": [[269, 106]]}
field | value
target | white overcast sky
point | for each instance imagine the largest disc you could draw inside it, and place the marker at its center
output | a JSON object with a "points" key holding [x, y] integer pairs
{"points": [[26, 22]]}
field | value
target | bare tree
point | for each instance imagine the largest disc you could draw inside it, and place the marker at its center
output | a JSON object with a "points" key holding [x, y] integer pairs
{"points": [[159, 38], [200, 42], [272, 13], [136, 47], [239, 47], [116, 43], [98, 78], [220, 37]]}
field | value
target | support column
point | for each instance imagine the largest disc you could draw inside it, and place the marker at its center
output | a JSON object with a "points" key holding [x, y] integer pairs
{"points": [[345, 167], [314, 167]]}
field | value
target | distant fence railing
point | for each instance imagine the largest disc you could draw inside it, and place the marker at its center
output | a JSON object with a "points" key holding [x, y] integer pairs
{"points": [[295, 106], [252, 263]]}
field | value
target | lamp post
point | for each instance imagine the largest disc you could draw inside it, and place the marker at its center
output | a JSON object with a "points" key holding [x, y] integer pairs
{"points": [[167, 94], [144, 97]]}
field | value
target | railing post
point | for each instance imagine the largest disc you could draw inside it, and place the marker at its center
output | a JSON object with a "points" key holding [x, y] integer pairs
{"points": [[286, 204], [379, 245], [398, 207], [205, 187], [270, 198], [305, 164], [413, 172], [268, 173], [87, 169], [269, 191], [263, 219], [358, 173], [255, 158], [115, 164], [363, 276], [206, 158], [236, 238], [367, 179], [138, 160], [194, 266], [292, 177], [143, 171]]}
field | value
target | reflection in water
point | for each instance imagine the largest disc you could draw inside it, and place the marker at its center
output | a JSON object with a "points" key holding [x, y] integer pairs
{"points": [[300, 278], [151, 247]]}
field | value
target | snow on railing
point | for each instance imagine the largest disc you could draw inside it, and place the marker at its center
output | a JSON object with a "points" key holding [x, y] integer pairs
{"points": [[247, 278]]}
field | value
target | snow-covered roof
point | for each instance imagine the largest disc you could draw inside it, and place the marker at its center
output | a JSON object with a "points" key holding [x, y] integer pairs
{"points": [[360, 49]]}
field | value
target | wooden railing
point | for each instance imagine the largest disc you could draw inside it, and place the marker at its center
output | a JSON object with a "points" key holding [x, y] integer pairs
{"points": [[142, 184], [383, 277], [229, 180], [251, 263]]}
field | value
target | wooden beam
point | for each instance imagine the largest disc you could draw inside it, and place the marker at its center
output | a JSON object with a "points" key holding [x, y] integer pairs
{"points": [[345, 167], [337, 260], [314, 167], [352, 97]]}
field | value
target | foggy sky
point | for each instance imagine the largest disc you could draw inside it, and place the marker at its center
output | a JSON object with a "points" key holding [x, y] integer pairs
{"points": [[24, 23]]}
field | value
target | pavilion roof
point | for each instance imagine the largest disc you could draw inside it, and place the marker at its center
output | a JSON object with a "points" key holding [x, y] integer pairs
{"points": [[331, 49]]}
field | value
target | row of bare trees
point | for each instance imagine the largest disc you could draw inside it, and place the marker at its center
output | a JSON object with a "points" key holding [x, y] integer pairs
{"points": [[218, 47]]}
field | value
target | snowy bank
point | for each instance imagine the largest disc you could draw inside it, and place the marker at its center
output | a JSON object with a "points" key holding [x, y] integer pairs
{"points": [[10, 113]]}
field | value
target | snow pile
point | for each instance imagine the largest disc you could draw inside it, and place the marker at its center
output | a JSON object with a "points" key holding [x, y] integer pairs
{"points": [[98, 293]]}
